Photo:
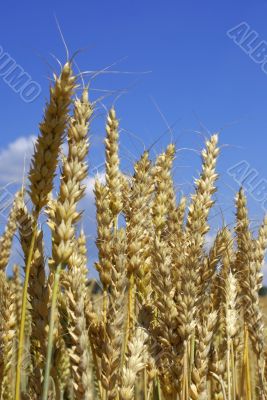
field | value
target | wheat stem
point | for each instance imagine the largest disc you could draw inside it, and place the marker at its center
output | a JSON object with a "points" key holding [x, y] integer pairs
{"points": [[245, 381], [229, 369], [233, 367], [192, 356], [23, 311], [51, 331], [145, 385], [215, 376]]}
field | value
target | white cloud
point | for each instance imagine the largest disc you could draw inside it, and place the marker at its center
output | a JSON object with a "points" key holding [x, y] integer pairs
{"points": [[15, 158]]}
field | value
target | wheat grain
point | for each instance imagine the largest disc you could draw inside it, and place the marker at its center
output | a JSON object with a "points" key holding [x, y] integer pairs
{"points": [[7, 337], [179, 332], [79, 348], [112, 347], [45, 157], [113, 175], [65, 215], [135, 364], [200, 372], [161, 172], [7, 238]]}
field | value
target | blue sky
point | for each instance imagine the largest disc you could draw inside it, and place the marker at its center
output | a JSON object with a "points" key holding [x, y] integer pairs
{"points": [[182, 78]]}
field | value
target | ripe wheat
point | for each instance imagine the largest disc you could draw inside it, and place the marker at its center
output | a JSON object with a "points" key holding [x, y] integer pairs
{"points": [[173, 320]]}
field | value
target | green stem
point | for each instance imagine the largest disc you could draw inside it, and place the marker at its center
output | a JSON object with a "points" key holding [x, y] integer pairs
{"points": [[24, 311], [51, 331]]}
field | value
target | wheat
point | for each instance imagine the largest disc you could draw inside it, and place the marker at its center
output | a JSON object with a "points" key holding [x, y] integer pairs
{"points": [[62, 367], [196, 228], [139, 201], [172, 319], [113, 178], [200, 373], [79, 347], [42, 173], [112, 347], [162, 172], [45, 158], [64, 214], [17, 290], [38, 296], [104, 233], [7, 337], [7, 238], [135, 364]]}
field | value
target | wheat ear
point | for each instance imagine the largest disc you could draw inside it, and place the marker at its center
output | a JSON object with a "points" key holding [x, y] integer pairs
{"points": [[138, 229], [104, 233], [8, 235], [38, 297], [17, 289], [162, 176], [64, 215], [45, 157], [134, 365], [199, 389], [113, 343], [62, 367], [79, 342], [42, 172], [231, 330], [8, 336], [113, 175], [196, 228]]}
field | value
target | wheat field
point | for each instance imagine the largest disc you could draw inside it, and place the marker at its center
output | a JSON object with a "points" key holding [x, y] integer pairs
{"points": [[173, 320]]}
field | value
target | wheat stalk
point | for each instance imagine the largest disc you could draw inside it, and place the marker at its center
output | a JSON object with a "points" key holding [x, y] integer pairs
{"points": [[7, 238], [172, 319], [79, 355], [113, 343], [63, 214], [7, 337], [134, 365], [42, 172]]}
